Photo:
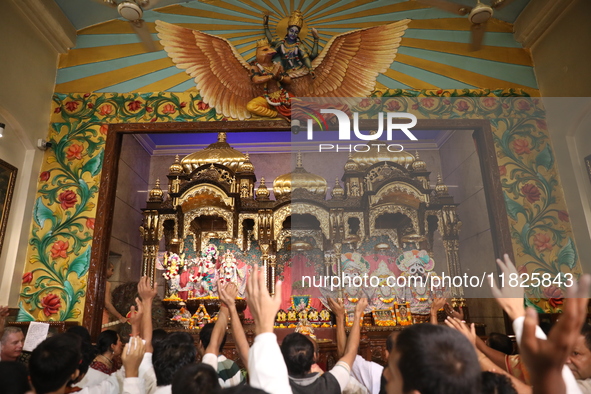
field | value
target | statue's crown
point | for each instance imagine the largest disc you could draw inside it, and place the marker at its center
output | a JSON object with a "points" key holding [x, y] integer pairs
{"points": [[263, 42], [296, 19]]}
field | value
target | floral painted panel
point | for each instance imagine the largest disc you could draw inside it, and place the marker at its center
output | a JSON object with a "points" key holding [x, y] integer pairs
{"points": [[54, 281]]}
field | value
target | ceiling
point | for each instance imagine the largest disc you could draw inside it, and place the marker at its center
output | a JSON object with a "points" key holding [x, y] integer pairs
{"points": [[84, 13]]}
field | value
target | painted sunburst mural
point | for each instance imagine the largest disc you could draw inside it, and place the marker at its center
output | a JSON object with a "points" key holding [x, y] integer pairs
{"points": [[434, 52]]}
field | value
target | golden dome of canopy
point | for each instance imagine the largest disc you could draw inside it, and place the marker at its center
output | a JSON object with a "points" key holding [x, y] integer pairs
{"points": [[176, 167], [247, 166], [156, 194], [419, 165], [350, 165], [337, 191], [219, 152], [299, 178], [262, 192], [378, 152]]}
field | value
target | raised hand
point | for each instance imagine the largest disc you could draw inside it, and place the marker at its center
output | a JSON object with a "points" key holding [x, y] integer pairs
{"points": [[145, 289], [228, 293], [263, 306], [315, 33], [438, 303], [510, 298], [336, 306], [132, 356], [545, 359], [136, 313], [468, 332], [360, 307]]}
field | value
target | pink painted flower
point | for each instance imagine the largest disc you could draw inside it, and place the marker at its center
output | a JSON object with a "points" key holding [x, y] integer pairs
{"points": [[149, 109], [67, 199], [71, 105], [104, 129], [541, 124], [521, 146], [446, 101], [202, 106], [415, 106], [168, 109], [542, 242], [51, 304], [86, 95], [554, 295], [439, 92], [90, 105], [393, 105], [427, 102], [106, 109], [74, 152], [60, 249], [27, 277], [502, 170], [90, 223], [134, 105], [363, 103], [57, 110], [505, 105], [183, 105], [462, 106], [563, 216], [523, 105], [531, 192], [44, 177], [489, 101]]}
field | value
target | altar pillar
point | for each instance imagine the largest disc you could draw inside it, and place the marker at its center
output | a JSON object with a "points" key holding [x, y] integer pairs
{"points": [[149, 232]]}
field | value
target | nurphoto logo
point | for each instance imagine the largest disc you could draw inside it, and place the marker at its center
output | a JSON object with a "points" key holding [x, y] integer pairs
{"points": [[345, 131]]}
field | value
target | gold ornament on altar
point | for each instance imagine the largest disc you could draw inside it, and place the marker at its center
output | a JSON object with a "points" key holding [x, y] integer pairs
{"points": [[305, 328]]}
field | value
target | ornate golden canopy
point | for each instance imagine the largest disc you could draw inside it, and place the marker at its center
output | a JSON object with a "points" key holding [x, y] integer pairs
{"points": [[283, 185], [219, 152]]}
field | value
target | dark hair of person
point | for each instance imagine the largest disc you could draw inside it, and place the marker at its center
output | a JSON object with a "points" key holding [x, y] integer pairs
{"points": [[196, 379], [81, 331], [500, 342], [171, 354], [495, 383], [14, 378], [242, 389], [105, 340], [391, 341], [158, 335], [298, 353], [586, 332], [53, 362], [437, 360], [205, 336]]}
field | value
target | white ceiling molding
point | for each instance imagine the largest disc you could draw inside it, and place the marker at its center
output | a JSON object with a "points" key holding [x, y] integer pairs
{"points": [[49, 19], [536, 19]]}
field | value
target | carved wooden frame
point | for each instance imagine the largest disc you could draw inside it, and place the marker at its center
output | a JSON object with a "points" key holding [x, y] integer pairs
{"points": [[106, 201]]}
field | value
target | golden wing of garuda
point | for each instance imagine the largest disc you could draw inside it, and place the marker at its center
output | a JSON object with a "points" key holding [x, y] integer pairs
{"points": [[350, 62], [220, 72]]}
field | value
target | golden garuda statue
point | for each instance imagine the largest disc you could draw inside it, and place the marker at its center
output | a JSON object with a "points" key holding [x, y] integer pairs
{"points": [[347, 66]]}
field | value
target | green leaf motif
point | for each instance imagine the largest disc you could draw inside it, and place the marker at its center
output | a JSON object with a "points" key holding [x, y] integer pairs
{"points": [[94, 165], [545, 158], [513, 207], [80, 264], [23, 315], [41, 213], [531, 304], [568, 255], [69, 290]]}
